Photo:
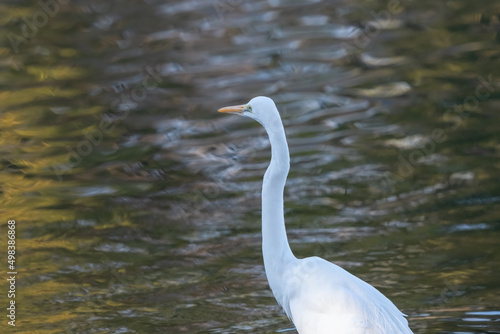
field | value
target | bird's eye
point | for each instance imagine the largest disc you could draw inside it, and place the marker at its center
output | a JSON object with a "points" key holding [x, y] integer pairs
{"points": [[249, 108]]}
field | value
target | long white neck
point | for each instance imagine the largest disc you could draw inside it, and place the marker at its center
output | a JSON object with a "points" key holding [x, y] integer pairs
{"points": [[275, 247]]}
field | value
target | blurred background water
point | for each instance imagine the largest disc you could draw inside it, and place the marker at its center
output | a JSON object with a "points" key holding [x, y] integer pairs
{"points": [[138, 205]]}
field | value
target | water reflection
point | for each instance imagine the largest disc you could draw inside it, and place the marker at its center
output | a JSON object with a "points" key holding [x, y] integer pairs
{"points": [[138, 206]]}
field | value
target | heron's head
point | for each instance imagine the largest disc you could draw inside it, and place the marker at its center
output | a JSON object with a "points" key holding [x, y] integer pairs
{"points": [[260, 108]]}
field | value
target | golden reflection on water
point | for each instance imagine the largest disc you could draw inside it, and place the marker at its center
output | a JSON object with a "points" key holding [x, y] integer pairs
{"points": [[138, 206]]}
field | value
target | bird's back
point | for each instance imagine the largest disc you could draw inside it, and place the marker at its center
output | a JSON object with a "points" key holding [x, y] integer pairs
{"points": [[322, 298]]}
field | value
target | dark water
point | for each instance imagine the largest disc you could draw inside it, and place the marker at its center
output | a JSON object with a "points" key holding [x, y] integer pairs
{"points": [[137, 204]]}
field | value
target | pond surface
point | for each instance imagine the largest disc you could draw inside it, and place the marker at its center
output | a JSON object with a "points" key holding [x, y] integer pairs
{"points": [[137, 205]]}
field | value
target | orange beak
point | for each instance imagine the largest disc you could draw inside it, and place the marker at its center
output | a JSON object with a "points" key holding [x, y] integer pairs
{"points": [[234, 109]]}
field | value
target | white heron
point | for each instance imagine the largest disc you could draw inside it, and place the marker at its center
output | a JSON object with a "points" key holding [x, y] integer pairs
{"points": [[319, 297]]}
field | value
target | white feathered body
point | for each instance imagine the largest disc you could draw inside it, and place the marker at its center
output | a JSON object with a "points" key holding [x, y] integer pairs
{"points": [[322, 298]]}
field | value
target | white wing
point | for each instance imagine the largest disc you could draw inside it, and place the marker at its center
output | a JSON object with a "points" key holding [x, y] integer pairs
{"points": [[322, 298]]}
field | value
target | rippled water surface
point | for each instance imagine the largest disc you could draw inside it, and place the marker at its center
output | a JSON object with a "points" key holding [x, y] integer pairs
{"points": [[137, 205]]}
